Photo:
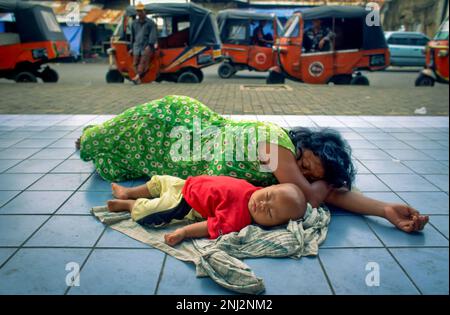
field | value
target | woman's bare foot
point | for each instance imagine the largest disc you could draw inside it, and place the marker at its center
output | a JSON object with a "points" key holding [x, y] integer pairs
{"points": [[405, 218], [117, 205], [119, 192], [78, 144]]}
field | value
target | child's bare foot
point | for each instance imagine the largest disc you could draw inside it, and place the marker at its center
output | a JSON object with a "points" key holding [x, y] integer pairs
{"points": [[119, 192], [174, 238], [117, 205]]}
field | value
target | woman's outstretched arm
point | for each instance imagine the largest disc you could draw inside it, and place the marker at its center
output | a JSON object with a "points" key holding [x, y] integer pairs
{"points": [[402, 216]]}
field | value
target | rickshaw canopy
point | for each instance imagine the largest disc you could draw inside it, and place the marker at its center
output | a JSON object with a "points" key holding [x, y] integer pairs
{"points": [[246, 15], [373, 36], [203, 26], [34, 22]]}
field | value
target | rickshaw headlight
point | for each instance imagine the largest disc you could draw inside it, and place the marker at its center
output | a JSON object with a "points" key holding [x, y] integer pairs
{"points": [[39, 53]]}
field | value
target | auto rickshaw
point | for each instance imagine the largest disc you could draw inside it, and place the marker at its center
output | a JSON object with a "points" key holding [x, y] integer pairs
{"points": [[241, 48], [353, 45], [436, 69], [188, 40], [31, 37]]}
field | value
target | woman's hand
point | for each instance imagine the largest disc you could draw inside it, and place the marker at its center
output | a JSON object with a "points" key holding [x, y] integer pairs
{"points": [[175, 237], [405, 218]]}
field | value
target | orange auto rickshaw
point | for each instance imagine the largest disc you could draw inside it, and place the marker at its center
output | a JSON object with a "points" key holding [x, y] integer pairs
{"points": [[436, 69], [352, 45], [241, 47], [188, 40], [30, 38]]}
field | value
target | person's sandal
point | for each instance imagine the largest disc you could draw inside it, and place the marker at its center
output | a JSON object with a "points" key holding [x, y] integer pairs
{"points": [[136, 80]]}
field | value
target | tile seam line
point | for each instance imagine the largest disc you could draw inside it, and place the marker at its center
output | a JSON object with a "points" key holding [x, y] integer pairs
{"points": [[66, 292], [394, 258], [161, 274], [327, 278], [39, 227]]}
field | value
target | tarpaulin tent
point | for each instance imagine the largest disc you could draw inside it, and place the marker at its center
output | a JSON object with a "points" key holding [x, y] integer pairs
{"points": [[74, 35]]}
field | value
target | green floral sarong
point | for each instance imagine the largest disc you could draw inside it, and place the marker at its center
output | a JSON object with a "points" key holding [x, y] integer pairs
{"points": [[179, 136]]}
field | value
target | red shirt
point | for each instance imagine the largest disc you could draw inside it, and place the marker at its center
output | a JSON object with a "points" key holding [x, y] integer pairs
{"points": [[222, 200]]}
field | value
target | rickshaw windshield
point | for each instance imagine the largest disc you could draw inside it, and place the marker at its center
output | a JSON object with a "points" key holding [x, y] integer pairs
{"points": [[119, 32], [443, 32], [280, 28], [292, 28], [50, 22]]}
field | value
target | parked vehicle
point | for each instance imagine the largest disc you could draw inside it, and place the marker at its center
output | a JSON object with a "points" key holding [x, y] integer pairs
{"points": [[241, 48], [354, 46], [407, 48], [436, 69], [188, 40], [32, 38]]}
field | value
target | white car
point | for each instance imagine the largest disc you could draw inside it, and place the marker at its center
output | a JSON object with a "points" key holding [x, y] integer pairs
{"points": [[407, 48]]}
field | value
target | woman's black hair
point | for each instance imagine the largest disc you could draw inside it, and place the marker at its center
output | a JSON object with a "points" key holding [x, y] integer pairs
{"points": [[334, 152]]}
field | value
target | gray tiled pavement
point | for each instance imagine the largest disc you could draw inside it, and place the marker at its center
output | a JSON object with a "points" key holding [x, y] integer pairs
{"points": [[46, 194]]}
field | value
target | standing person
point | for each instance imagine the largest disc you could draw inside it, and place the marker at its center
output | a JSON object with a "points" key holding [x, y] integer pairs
{"points": [[143, 40]]}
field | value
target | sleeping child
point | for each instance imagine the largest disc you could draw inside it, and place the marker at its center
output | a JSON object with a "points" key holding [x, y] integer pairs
{"points": [[223, 204]]}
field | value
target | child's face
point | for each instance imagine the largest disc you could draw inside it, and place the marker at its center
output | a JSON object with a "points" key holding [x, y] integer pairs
{"points": [[276, 205]]}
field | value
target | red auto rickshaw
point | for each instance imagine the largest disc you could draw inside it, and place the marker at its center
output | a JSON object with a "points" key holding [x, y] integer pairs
{"points": [[188, 40], [354, 45], [31, 38], [240, 46], [436, 69]]}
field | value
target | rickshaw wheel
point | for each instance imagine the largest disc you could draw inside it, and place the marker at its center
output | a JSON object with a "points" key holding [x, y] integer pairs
{"points": [[424, 80], [226, 70], [199, 75], [341, 79], [23, 77], [49, 75], [360, 80], [188, 77], [114, 76]]}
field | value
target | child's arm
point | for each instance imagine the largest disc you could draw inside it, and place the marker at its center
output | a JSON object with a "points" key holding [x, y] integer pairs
{"points": [[321, 190], [195, 230]]}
